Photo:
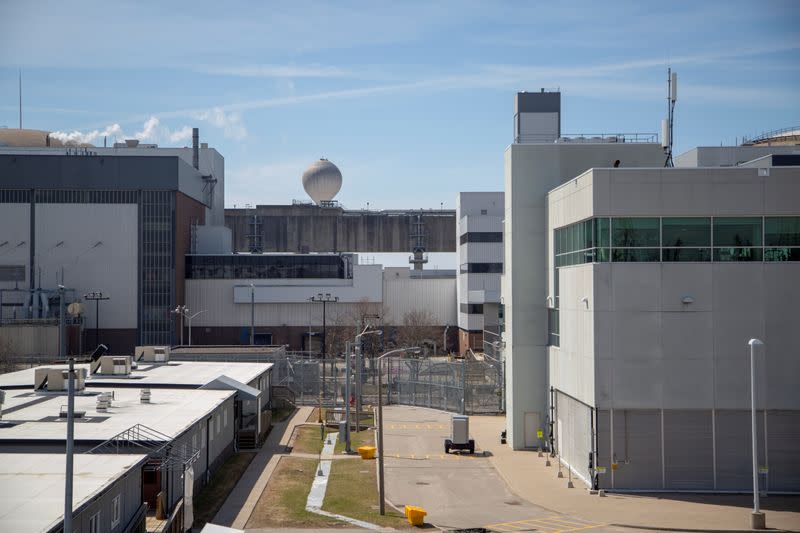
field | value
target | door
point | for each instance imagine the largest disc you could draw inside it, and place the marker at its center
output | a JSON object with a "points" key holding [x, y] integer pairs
{"points": [[532, 426]]}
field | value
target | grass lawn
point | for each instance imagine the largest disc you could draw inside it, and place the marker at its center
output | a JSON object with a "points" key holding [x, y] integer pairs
{"points": [[279, 415], [353, 491], [212, 496], [307, 439], [283, 502], [357, 438]]}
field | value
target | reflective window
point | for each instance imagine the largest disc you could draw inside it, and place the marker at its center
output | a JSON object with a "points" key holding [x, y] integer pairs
{"points": [[737, 231], [481, 236], [782, 254], [782, 231], [471, 309], [685, 254], [635, 232], [603, 232], [678, 232], [737, 254], [635, 255]]}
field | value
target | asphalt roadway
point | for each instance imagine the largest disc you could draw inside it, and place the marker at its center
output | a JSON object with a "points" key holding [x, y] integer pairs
{"points": [[458, 491]]}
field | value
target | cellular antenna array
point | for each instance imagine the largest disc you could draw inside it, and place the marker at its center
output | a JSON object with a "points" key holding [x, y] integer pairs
{"points": [[667, 123]]}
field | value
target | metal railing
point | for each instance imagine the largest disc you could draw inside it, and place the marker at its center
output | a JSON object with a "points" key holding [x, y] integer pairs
{"points": [[588, 138], [782, 132]]}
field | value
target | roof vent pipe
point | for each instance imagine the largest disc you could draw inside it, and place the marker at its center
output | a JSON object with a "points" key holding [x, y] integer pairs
{"points": [[196, 148]]}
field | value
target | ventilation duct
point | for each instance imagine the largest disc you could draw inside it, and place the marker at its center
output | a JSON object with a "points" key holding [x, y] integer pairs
{"points": [[152, 354]]}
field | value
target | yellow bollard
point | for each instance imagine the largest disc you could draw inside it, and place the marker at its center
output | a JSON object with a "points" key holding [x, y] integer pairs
{"points": [[366, 452], [415, 515]]}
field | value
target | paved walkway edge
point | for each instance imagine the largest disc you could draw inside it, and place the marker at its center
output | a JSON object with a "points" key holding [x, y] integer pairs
{"points": [[319, 486], [239, 505]]}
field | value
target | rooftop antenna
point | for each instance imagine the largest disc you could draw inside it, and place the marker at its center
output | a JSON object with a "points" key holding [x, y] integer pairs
{"points": [[667, 123], [20, 98]]}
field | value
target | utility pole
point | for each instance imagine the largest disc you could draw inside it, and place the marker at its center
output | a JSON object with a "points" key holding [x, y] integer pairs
{"points": [[180, 310], [97, 296], [70, 443], [252, 314], [62, 319], [324, 299]]}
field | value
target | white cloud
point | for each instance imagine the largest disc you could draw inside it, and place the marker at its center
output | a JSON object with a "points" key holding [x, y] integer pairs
{"points": [[276, 71], [230, 123]]}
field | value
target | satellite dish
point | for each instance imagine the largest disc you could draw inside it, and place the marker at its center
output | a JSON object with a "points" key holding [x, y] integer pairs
{"points": [[75, 309]]}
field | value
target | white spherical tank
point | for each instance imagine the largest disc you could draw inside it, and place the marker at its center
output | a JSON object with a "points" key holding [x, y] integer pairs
{"points": [[322, 180]]}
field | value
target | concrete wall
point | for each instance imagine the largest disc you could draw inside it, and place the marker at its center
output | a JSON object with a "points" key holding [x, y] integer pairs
{"points": [[728, 156], [310, 228], [531, 170]]}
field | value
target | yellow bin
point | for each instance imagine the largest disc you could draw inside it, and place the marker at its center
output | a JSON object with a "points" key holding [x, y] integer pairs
{"points": [[415, 515], [367, 452]]}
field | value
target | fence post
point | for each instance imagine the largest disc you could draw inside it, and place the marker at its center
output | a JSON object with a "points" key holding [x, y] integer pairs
{"points": [[464, 386]]}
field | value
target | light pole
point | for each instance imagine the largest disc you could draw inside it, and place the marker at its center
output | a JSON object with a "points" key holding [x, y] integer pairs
{"points": [[381, 484], [70, 441], [324, 299], [189, 318], [180, 310], [357, 344], [252, 314], [97, 296], [757, 518], [62, 319]]}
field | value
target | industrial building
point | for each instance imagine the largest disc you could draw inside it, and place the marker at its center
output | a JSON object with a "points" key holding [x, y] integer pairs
{"points": [[107, 493], [188, 417], [659, 278], [480, 259], [631, 290], [110, 223], [276, 294], [540, 159]]}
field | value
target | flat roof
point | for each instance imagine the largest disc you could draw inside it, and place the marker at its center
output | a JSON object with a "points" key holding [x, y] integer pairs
{"points": [[32, 485], [28, 416], [177, 374]]}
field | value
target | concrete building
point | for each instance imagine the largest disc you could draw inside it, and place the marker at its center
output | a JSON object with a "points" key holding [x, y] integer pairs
{"points": [[532, 168], [731, 156], [117, 220], [107, 493], [658, 278], [480, 259], [304, 228], [275, 291]]}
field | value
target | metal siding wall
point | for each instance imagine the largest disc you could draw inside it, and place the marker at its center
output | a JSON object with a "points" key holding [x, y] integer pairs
{"points": [[783, 428], [403, 295], [604, 457], [733, 451], [688, 450], [637, 448]]}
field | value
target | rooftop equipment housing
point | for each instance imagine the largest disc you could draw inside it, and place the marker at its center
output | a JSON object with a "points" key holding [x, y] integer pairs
{"points": [[112, 365], [152, 354], [47, 379]]}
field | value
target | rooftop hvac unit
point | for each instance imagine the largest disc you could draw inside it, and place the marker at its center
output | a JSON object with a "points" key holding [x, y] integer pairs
{"points": [[152, 354], [144, 396], [104, 402], [113, 365], [57, 380]]}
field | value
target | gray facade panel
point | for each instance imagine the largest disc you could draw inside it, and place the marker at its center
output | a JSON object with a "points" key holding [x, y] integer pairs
{"points": [[688, 450], [90, 172], [541, 102], [783, 429], [733, 449], [637, 450]]}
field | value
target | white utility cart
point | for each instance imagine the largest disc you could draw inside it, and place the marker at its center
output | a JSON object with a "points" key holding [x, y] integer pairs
{"points": [[459, 435]]}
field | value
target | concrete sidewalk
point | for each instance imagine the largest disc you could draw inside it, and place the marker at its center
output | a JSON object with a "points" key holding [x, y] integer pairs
{"points": [[530, 479], [243, 498]]}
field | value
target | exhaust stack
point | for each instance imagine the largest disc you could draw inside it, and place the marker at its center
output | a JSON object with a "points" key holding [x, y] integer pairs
{"points": [[196, 148]]}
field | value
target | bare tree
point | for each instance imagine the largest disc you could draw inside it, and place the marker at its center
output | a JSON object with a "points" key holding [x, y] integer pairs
{"points": [[7, 363], [418, 329]]}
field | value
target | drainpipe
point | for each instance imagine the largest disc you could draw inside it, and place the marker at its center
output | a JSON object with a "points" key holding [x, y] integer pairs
{"points": [[444, 340]]}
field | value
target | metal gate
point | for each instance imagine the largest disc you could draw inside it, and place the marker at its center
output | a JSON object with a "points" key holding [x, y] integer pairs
{"points": [[573, 435]]}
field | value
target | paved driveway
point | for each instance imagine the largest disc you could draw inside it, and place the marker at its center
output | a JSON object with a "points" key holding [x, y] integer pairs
{"points": [[457, 491]]}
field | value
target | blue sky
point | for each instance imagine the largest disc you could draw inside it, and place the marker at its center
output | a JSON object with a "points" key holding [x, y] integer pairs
{"points": [[412, 100]]}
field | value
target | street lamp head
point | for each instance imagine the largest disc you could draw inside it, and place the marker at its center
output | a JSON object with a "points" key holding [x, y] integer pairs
{"points": [[755, 342]]}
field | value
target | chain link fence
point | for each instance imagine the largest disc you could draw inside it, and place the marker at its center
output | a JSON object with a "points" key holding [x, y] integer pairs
{"points": [[459, 386]]}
